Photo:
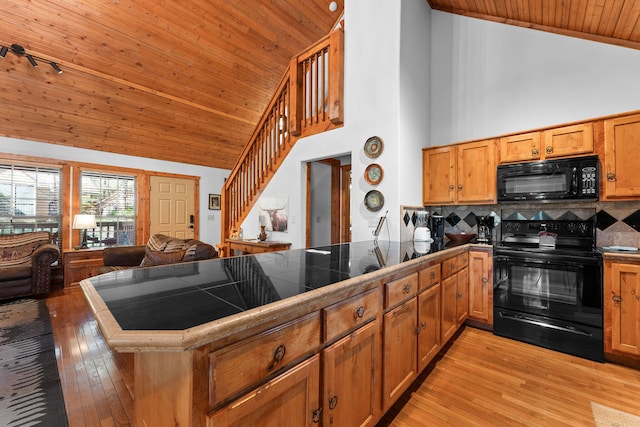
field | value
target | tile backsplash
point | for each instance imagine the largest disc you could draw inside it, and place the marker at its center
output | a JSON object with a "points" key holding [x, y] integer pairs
{"points": [[617, 223]]}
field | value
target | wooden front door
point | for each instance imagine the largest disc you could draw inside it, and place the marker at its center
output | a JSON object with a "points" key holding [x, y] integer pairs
{"points": [[172, 207]]}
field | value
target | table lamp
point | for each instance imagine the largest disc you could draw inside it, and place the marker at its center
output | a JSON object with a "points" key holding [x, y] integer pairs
{"points": [[83, 222]]}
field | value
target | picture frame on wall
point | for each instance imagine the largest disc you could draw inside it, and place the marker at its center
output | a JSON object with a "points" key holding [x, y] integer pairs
{"points": [[214, 202]]}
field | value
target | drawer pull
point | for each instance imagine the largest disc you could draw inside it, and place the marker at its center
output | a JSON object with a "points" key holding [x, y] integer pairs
{"points": [[278, 355], [359, 313], [433, 274], [458, 296], [406, 288], [549, 150], [534, 152], [316, 415], [333, 402], [616, 298], [611, 177], [423, 325]]}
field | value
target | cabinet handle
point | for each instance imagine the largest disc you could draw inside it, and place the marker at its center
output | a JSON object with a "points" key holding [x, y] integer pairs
{"points": [[278, 355], [459, 186], [406, 288], [549, 150], [417, 330], [453, 266], [359, 312], [458, 296], [423, 325], [611, 177], [451, 187], [433, 274], [316, 415], [616, 298], [333, 402], [534, 152], [484, 281]]}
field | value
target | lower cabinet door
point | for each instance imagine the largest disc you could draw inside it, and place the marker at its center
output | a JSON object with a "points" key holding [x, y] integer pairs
{"points": [[462, 296], [400, 352], [449, 324], [351, 378], [429, 324], [290, 399]]}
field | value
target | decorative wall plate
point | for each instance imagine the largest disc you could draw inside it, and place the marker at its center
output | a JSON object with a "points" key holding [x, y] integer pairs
{"points": [[374, 200], [373, 147], [373, 174]]}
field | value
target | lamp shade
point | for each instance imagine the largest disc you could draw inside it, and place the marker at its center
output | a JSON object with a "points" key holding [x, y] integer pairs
{"points": [[84, 221]]}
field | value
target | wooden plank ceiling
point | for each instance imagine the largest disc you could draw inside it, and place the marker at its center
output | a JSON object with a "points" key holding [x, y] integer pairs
{"points": [[180, 80], [607, 21], [187, 80]]}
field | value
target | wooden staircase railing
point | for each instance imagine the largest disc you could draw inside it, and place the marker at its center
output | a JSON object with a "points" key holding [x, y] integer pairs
{"points": [[309, 100]]}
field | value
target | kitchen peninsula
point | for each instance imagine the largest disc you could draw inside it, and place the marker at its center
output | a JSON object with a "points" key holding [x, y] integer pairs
{"points": [[223, 341]]}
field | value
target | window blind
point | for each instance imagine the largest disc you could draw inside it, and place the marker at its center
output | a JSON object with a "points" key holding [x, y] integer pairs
{"points": [[112, 199], [30, 199]]}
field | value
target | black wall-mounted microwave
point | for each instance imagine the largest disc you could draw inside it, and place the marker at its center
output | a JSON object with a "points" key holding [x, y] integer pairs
{"points": [[575, 178]]}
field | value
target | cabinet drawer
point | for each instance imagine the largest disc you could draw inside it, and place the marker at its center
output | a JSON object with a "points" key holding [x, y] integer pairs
{"points": [[233, 369], [429, 277], [350, 313], [451, 265], [400, 290]]}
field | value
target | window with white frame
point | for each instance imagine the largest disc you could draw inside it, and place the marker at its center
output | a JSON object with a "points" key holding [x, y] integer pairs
{"points": [[112, 198], [30, 199]]}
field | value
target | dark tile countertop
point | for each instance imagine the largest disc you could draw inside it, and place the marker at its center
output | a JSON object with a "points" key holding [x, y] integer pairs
{"points": [[182, 296]]}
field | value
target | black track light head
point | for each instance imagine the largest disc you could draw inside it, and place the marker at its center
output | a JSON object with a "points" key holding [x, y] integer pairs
{"points": [[55, 67], [31, 60]]}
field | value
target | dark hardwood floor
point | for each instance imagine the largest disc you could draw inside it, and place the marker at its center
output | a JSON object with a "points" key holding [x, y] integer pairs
{"points": [[481, 380]]}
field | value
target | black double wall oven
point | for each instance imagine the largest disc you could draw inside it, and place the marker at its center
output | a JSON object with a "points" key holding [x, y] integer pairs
{"points": [[548, 274]]}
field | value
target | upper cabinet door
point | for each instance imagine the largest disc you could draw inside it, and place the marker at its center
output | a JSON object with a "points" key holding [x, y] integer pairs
{"points": [[518, 148], [438, 175], [621, 158], [476, 172], [568, 141]]}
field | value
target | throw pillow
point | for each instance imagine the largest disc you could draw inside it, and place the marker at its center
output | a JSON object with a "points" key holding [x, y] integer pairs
{"points": [[160, 258]]}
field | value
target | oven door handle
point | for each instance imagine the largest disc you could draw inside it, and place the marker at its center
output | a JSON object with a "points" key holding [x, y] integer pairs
{"points": [[523, 319]]}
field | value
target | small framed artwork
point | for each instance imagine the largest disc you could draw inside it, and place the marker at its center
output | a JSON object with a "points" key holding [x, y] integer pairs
{"points": [[214, 202]]}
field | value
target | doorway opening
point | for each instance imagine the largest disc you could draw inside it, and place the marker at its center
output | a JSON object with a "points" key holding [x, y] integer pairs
{"points": [[328, 197]]}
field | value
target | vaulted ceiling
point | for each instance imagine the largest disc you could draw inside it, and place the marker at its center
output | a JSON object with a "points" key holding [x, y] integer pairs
{"points": [[180, 80], [187, 80], [611, 21]]}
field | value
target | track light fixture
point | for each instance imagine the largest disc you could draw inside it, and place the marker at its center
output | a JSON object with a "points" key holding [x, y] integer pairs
{"points": [[19, 51]]}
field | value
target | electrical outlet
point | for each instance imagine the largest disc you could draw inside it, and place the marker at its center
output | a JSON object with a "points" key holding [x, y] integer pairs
{"points": [[211, 217]]}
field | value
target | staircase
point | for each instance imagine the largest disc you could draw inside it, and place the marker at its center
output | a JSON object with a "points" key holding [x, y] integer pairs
{"points": [[309, 100]]}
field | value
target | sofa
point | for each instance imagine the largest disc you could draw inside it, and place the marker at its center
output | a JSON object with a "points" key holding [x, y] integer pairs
{"points": [[159, 250], [25, 264]]}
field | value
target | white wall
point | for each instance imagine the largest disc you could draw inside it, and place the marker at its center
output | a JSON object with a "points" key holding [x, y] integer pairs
{"points": [[490, 79], [372, 40], [211, 179]]}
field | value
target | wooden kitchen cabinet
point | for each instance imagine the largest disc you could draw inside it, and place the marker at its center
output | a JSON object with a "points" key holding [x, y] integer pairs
{"points": [[622, 308], [519, 148], [568, 141], [455, 295], [292, 398], [461, 173], [80, 264], [621, 158], [352, 379], [400, 365], [563, 141], [481, 286], [429, 324], [438, 175]]}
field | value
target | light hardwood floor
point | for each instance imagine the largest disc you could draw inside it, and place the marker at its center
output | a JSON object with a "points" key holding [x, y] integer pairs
{"points": [[480, 380]]}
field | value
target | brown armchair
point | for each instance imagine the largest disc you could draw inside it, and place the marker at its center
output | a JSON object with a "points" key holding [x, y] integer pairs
{"points": [[25, 264], [159, 250]]}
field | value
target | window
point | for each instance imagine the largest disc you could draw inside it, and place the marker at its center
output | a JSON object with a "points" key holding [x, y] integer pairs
{"points": [[112, 199], [30, 199]]}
